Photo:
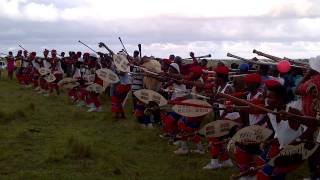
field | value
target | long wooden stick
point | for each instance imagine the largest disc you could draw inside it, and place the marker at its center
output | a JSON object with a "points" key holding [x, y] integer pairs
{"points": [[22, 47], [87, 46], [295, 62], [278, 59], [267, 55], [244, 102], [243, 59], [259, 62], [124, 48], [199, 57], [296, 117]]}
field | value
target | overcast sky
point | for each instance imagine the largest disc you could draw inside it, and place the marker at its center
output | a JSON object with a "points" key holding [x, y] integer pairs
{"points": [[288, 28]]}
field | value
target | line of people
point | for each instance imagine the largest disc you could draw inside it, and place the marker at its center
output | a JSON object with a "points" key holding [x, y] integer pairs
{"points": [[295, 91]]}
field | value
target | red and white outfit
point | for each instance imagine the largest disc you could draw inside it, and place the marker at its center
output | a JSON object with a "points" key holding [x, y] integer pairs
{"points": [[57, 71]]}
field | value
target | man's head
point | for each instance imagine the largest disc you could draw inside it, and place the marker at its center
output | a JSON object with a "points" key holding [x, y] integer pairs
{"points": [[10, 53], [136, 54], [253, 81], [79, 54], [171, 57], [203, 63], [46, 53], [25, 53], [32, 55], [62, 54], [277, 95], [53, 53], [178, 60], [222, 74], [19, 53], [165, 64]]}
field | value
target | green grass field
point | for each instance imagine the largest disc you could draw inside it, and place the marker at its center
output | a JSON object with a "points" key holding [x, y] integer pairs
{"points": [[49, 138]]}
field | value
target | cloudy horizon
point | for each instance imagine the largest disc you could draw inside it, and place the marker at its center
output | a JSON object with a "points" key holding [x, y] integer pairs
{"points": [[163, 27]]}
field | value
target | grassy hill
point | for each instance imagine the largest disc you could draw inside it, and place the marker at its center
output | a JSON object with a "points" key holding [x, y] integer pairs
{"points": [[49, 138]]}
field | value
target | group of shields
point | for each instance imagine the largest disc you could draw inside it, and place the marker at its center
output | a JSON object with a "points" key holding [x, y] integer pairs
{"points": [[194, 108]]}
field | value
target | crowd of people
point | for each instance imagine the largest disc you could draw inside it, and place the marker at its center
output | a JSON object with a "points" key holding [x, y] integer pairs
{"points": [[288, 100]]}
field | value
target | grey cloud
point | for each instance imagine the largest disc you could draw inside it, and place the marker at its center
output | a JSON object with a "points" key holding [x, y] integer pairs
{"points": [[164, 30], [285, 27]]}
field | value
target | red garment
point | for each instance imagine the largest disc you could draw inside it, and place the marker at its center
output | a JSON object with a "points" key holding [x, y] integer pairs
{"points": [[272, 83], [82, 94], [185, 68], [218, 149], [99, 81], [197, 70], [222, 70], [54, 85], [310, 104], [72, 93], [244, 160], [26, 77], [93, 98], [239, 94], [252, 78], [188, 130], [167, 61], [264, 158], [118, 97], [169, 124], [10, 64], [43, 84]]}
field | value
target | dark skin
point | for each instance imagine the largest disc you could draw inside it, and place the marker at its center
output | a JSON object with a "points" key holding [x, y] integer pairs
{"points": [[164, 66], [45, 54], [172, 71], [171, 57], [203, 63], [25, 54], [308, 75], [178, 60], [79, 54], [53, 54], [276, 101]]}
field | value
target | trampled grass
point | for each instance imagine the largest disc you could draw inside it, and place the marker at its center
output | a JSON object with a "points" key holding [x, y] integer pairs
{"points": [[49, 138]]}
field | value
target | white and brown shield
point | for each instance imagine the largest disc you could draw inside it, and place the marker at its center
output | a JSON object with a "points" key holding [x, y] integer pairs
{"points": [[50, 78], [107, 75], [71, 85], [292, 155], [192, 108], [97, 88], [44, 71], [217, 128], [146, 96], [121, 63], [66, 81], [252, 134]]}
